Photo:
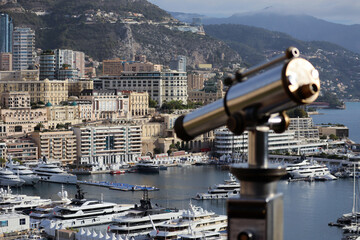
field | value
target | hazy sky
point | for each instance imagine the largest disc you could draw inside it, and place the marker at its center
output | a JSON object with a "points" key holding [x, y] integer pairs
{"points": [[340, 11]]}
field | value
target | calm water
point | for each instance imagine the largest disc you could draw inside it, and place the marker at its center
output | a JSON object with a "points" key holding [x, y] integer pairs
{"points": [[308, 207], [350, 117]]}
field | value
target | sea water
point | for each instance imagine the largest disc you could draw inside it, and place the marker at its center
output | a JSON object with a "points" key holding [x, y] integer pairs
{"points": [[308, 206]]}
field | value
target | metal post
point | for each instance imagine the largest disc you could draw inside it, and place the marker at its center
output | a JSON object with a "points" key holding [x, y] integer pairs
{"points": [[258, 213]]}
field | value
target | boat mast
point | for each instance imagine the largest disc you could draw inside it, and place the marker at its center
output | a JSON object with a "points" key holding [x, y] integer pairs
{"points": [[354, 195]]}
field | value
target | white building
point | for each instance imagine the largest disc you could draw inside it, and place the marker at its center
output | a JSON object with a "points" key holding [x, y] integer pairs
{"points": [[161, 86], [304, 129], [105, 145], [226, 143], [23, 48], [13, 222]]}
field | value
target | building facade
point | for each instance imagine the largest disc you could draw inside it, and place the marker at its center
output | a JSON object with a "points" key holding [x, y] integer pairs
{"points": [[47, 65], [107, 104], [6, 31], [138, 103], [304, 129], [195, 81], [161, 86], [23, 48], [5, 61], [54, 91], [178, 63], [107, 145], [22, 148], [56, 145]]}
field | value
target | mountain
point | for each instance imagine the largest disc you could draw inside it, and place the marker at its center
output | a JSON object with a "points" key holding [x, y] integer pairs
{"points": [[338, 67], [105, 29], [303, 27]]}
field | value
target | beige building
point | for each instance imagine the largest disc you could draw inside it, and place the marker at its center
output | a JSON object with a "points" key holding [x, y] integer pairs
{"points": [[113, 67], [21, 75], [5, 62], [13, 100], [138, 103], [195, 81], [339, 131], [16, 116], [151, 133], [75, 87], [68, 114], [56, 145], [22, 148], [54, 91], [142, 67], [205, 96]]}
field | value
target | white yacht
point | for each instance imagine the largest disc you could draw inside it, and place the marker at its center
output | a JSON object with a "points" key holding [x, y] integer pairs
{"points": [[230, 188], [50, 172], [23, 172], [195, 219], [140, 221], [310, 170], [46, 210], [20, 202], [8, 178], [82, 212]]}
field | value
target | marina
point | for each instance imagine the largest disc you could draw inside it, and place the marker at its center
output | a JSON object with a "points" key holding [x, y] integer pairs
{"points": [[305, 214]]}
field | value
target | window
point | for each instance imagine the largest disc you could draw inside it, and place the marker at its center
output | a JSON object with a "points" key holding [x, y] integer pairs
{"points": [[22, 221], [4, 223]]}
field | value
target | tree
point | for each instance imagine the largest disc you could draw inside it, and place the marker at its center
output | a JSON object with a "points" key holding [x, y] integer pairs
{"points": [[152, 103], [333, 137], [39, 127], [157, 150], [2, 162], [297, 112]]}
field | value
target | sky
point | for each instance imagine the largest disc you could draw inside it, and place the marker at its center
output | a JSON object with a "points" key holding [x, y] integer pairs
{"points": [[338, 11]]}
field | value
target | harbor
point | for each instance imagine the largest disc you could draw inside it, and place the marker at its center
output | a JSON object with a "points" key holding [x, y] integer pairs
{"points": [[305, 214]]}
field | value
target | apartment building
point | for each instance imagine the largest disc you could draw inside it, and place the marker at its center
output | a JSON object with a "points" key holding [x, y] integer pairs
{"points": [[107, 144], [23, 48], [22, 148], [161, 86], [56, 145], [304, 129]]}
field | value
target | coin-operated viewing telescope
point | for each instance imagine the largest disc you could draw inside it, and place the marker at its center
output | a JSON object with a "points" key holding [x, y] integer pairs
{"points": [[249, 102], [257, 104]]}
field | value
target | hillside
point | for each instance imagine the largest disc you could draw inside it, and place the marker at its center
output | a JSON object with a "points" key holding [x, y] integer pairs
{"points": [[116, 28], [338, 67], [303, 27]]}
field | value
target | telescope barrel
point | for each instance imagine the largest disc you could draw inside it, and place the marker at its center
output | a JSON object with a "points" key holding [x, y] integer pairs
{"points": [[278, 89]]}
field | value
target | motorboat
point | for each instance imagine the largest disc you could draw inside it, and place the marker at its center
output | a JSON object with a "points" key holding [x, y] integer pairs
{"points": [[23, 172], [147, 166], [194, 219], [8, 178], [50, 172], [230, 188], [19, 202], [141, 220], [82, 212]]}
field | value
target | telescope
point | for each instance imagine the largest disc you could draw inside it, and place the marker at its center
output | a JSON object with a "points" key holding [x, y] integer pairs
{"points": [[289, 82], [256, 101]]}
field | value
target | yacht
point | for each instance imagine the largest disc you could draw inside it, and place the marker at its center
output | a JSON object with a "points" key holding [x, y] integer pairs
{"points": [[19, 202], [8, 178], [195, 219], [141, 220], [147, 166], [311, 170], [46, 210], [82, 212], [50, 172], [23, 172], [230, 188]]}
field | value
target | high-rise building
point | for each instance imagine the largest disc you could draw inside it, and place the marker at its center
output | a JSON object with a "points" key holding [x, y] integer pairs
{"points": [[6, 31], [23, 48], [47, 65], [178, 64], [79, 63]]}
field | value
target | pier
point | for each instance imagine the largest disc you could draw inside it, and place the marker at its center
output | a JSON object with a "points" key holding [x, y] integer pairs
{"points": [[119, 186]]}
